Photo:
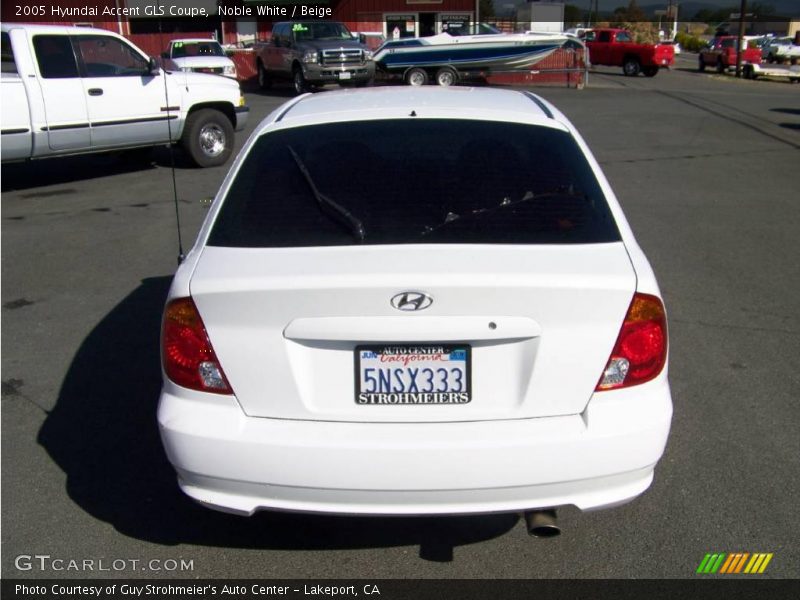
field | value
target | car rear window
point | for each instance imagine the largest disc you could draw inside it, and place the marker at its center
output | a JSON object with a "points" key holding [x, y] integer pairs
{"points": [[414, 181]]}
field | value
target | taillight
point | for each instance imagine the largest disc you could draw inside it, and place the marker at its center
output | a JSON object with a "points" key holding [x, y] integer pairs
{"points": [[186, 351], [641, 348]]}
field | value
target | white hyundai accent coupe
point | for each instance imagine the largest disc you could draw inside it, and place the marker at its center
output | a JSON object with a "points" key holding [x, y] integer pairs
{"points": [[415, 301]]}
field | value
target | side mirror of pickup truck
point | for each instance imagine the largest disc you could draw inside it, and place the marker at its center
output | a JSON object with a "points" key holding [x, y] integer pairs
{"points": [[152, 66]]}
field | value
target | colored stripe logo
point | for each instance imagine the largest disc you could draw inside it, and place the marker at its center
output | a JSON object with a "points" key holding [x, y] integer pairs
{"points": [[734, 563]]}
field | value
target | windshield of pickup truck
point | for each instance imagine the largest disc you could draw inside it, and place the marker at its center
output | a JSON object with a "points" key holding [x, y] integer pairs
{"points": [[209, 48], [413, 181], [320, 31]]}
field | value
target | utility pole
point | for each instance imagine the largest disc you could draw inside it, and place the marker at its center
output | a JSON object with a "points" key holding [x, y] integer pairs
{"points": [[740, 49]]}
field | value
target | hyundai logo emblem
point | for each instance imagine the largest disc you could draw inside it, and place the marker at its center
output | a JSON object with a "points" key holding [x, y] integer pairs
{"points": [[408, 301]]}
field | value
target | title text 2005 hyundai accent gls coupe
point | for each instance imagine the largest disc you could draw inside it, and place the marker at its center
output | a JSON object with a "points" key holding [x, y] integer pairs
{"points": [[415, 301]]}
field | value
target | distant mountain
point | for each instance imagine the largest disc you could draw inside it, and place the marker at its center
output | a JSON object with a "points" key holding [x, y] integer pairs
{"points": [[784, 8], [687, 10]]}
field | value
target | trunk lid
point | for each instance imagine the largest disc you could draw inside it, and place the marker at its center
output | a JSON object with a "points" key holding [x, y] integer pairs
{"points": [[539, 321]]}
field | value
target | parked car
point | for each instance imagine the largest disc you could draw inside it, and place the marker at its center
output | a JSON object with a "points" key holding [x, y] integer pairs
{"points": [[616, 48], [72, 90], [783, 49], [722, 53], [415, 301], [578, 32], [314, 53], [200, 56], [763, 43]]}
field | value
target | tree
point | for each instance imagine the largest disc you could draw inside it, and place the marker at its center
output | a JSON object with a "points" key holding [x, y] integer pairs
{"points": [[631, 14], [714, 16], [761, 8], [573, 15], [634, 13]]}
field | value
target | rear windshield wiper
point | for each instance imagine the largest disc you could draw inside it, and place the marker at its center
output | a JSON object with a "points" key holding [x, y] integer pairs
{"points": [[567, 191], [330, 207]]}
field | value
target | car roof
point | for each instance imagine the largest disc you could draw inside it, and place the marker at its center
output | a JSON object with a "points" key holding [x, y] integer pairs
{"points": [[407, 101]]}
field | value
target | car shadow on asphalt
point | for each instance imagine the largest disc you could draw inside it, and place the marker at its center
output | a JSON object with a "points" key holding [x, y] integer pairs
{"points": [[788, 111], [102, 433], [65, 169]]}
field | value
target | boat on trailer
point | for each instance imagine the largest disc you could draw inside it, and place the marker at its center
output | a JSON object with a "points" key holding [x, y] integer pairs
{"points": [[447, 57]]}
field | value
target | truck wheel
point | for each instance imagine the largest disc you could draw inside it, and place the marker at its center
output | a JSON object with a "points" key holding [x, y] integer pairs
{"points": [[208, 137], [720, 66], [650, 71], [416, 77], [300, 84], [701, 65], [631, 67], [446, 76], [749, 72], [264, 80]]}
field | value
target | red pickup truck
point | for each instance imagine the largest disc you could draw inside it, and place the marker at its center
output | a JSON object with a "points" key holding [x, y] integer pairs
{"points": [[721, 54], [616, 48]]}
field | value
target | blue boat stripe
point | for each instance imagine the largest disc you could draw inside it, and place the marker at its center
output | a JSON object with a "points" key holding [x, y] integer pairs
{"points": [[416, 58]]}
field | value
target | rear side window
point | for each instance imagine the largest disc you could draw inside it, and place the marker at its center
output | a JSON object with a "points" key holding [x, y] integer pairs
{"points": [[55, 56], [417, 181], [105, 56], [9, 64]]}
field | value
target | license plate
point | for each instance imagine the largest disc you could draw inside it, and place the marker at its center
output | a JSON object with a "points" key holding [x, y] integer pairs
{"points": [[345, 75], [413, 374]]}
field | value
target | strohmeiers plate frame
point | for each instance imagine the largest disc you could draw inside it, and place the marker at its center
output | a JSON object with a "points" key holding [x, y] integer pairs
{"points": [[446, 348]]}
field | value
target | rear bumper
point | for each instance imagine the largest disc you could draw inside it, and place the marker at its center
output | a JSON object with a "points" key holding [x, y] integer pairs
{"points": [[232, 462]]}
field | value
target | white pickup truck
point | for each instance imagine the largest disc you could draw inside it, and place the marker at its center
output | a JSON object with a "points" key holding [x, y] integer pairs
{"points": [[73, 90]]}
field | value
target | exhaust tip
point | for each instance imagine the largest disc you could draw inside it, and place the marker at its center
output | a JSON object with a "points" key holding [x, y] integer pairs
{"points": [[542, 523]]}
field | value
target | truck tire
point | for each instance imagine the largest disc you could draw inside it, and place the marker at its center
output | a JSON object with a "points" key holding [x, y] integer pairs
{"points": [[749, 72], [651, 71], [720, 66], [631, 66], [701, 64], [416, 77], [208, 137], [299, 81], [264, 80], [446, 76]]}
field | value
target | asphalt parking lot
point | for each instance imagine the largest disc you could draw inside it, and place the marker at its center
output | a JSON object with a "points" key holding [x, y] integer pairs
{"points": [[706, 168]]}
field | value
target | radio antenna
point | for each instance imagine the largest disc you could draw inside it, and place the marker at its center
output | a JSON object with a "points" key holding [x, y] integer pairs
{"points": [[168, 108]]}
